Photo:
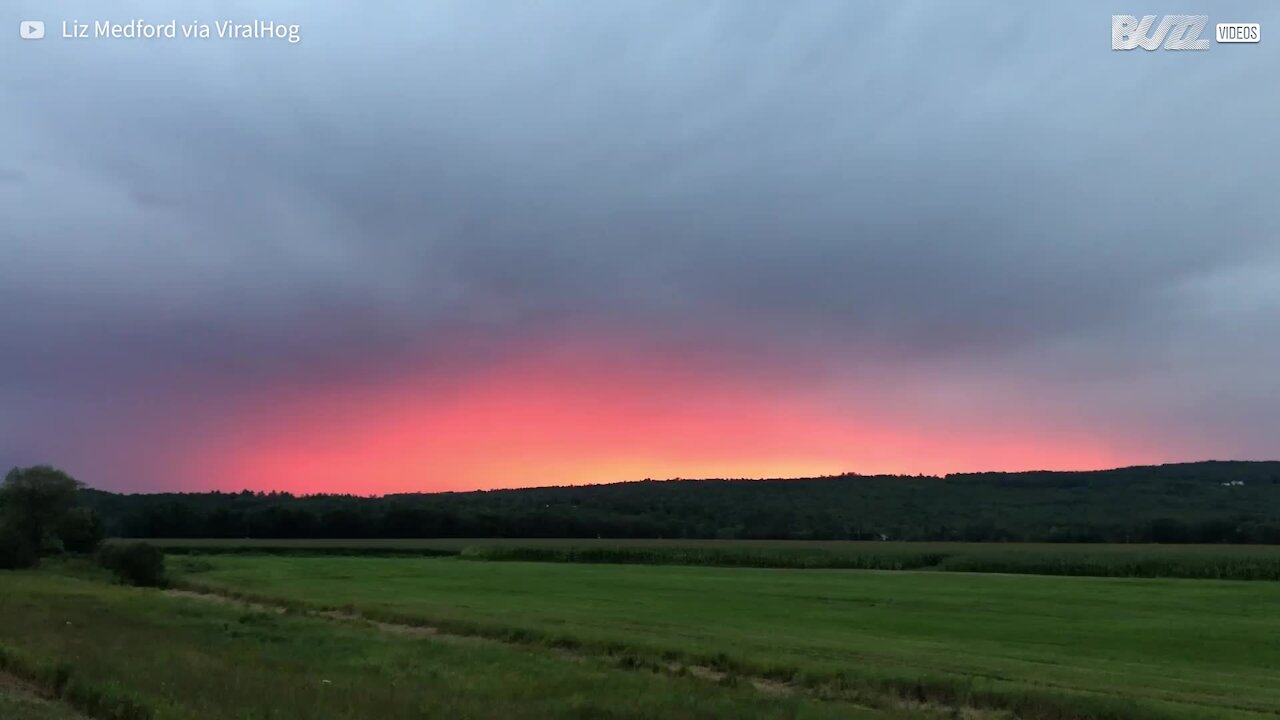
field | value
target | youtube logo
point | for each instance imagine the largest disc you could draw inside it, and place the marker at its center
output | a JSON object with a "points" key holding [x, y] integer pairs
{"points": [[31, 29]]}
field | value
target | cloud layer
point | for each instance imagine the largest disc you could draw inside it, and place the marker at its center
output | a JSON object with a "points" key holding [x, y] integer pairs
{"points": [[816, 235]]}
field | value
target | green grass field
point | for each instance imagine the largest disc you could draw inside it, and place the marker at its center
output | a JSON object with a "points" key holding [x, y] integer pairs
{"points": [[1046, 646], [361, 636], [133, 654]]}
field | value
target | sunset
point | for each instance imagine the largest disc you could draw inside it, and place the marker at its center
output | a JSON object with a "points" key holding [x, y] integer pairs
{"points": [[639, 360], [661, 269], [575, 416]]}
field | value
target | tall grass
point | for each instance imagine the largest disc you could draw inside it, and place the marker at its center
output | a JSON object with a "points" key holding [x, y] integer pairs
{"points": [[60, 679], [1109, 561], [372, 547], [1217, 562], [730, 556], [1232, 566]]}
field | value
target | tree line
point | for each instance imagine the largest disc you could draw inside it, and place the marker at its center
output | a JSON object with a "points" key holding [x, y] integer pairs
{"points": [[1212, 502]]}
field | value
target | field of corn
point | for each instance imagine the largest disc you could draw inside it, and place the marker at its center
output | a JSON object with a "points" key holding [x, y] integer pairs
{"points": [[1220, 562]]}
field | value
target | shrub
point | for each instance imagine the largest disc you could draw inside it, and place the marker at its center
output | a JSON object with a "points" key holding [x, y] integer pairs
{"points": [[50, 544], [135, 563], [80, 530], [16, 550]]}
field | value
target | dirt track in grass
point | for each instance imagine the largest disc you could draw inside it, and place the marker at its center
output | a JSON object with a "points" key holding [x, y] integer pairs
{"points": [[703, 672], [19, 700]]}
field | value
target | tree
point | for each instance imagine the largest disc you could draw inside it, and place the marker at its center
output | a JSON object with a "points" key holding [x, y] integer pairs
{"points": [[16, 552], [33, 500]]}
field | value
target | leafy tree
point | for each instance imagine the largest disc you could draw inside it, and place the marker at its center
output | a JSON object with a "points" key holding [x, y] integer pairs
{"points": [[16, 551], [34, 500]]}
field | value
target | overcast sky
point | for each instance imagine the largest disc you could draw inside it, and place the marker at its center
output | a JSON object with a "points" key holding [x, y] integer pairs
{"points": [[611, 240]]}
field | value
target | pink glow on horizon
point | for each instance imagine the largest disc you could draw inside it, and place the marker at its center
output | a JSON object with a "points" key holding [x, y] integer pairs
{"points": [[565, 418]]}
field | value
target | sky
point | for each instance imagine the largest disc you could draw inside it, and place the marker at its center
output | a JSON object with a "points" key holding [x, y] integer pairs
{"points": [[452, 245]]}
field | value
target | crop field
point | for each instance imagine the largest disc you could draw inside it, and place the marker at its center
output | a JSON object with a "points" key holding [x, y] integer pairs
{"points": [[1234, 562]]}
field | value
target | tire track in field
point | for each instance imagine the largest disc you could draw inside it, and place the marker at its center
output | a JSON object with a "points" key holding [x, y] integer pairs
{"points": [[925, 708], [19, 690], [707, 673], [704, 672]]}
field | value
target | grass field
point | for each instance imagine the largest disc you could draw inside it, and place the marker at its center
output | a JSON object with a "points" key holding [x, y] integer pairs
{"points": [[133, 654], [360, 636], [1051, 647], [1227, 562]]}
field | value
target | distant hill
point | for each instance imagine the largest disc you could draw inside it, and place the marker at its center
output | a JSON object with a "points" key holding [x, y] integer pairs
{"points": [[1191, 502]]}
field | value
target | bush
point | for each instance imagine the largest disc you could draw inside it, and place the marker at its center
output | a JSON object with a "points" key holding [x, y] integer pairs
{"points": [[16, 551], [80, 530], [135, 563], [50, 544]]}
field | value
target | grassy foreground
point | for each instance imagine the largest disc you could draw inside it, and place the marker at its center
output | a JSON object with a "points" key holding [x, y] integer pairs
{"points": [[1222, 562], [131, 654], [1043, 647], [18, 701]]}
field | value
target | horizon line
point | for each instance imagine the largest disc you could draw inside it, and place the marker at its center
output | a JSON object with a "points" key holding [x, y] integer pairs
{"points": [[833, 476]]}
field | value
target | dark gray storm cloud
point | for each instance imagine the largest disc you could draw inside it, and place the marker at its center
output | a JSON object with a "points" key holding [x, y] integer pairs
{"points": [[980, 194]]}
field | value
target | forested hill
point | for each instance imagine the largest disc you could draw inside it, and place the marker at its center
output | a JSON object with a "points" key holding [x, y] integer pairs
{"points": [[1193, 502]]}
